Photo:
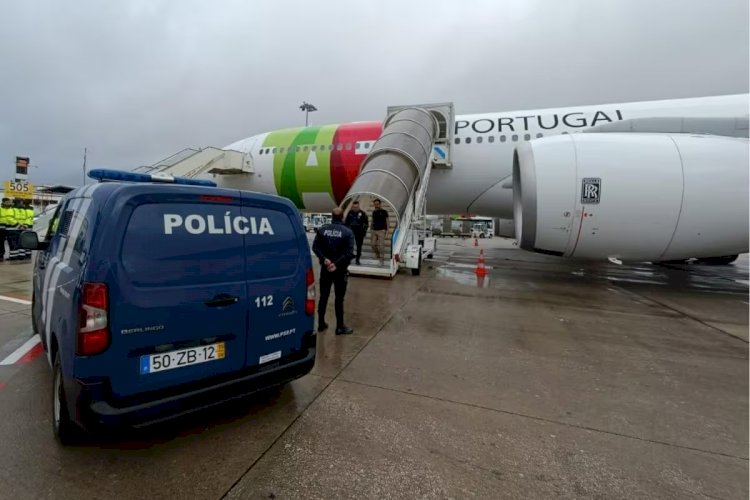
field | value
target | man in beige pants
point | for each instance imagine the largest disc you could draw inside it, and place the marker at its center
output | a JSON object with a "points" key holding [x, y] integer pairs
{"points": [[379, 230]]}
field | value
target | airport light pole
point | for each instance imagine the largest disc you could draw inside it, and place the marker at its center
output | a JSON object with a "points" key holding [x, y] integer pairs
{"points": [[307, 107]]}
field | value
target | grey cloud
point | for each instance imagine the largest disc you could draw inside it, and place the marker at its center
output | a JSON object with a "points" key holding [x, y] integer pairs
{"points": [[136, 81]]}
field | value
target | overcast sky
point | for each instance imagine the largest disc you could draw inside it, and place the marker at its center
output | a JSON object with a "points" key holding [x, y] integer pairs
{"points": [[135, 81]]}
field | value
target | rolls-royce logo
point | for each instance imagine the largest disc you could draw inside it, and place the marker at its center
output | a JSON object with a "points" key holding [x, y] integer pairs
{"points": [[591, 190]]}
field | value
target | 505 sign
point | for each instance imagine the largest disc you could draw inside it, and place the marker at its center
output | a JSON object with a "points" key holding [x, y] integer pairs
{"points": [[18, 189]]}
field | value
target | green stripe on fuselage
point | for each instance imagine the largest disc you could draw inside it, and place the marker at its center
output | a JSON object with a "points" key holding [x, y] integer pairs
{"points": [[291, 173]]}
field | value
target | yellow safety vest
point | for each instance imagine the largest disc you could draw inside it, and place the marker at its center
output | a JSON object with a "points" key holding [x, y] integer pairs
{"points": [[20, 214], [7, 216], [29, 216]]}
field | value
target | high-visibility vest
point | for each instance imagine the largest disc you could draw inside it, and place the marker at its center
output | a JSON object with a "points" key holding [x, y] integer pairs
{"points": [[29, 216], [7, 216], [20, 213]]}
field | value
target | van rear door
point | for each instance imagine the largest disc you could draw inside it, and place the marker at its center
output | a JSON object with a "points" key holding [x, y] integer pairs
{"points": [[178, 294], [277, 260]]}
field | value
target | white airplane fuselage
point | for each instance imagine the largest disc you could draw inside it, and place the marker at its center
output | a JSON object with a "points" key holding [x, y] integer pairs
{"points": [[314, 166]]}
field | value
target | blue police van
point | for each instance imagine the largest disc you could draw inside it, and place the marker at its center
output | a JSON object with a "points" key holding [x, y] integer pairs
{"points": [[156, 296]]}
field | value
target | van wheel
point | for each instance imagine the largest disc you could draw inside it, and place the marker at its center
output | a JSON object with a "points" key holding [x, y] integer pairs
{"points": [[65, 430], [718, 261]]}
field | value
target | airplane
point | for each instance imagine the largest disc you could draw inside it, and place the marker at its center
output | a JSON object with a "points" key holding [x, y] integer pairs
{"points": [[662, 180]]}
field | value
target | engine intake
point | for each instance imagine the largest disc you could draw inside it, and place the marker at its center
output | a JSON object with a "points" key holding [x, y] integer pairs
{"points": [[637, 197]]}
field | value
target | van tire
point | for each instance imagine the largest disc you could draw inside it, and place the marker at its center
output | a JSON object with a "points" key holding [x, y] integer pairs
{"points": [[65, 430]]}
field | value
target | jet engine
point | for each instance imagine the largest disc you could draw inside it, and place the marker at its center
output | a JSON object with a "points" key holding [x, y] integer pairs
{"points": [[637, 197]]}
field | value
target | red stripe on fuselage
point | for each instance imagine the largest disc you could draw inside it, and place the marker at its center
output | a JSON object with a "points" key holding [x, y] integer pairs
{"points": [[345, 164]]}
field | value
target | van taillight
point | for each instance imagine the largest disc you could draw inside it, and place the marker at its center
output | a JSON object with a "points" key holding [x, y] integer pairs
{"points": [[310, 302], [93, 329]]}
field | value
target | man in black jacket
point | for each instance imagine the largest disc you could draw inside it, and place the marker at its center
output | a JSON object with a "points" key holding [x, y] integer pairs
{"points": [[334, 247], [356, 220]]}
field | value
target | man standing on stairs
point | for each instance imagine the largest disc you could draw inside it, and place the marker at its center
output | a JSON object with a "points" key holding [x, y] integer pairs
{"points": [[357, 221], [379, 229], [334, 247]]}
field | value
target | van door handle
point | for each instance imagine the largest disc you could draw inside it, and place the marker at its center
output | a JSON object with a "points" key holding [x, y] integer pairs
{"points": [[222, 300]]}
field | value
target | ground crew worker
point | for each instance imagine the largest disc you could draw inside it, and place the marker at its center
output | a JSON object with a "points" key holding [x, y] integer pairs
{"points": [[7, 220], [379, 230], [29, 223], [334, 247], [14, 231], [356, 220]]}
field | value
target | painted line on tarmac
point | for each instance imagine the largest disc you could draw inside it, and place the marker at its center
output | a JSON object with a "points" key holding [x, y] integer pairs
{"points": [[17, 301], [26, 353]]}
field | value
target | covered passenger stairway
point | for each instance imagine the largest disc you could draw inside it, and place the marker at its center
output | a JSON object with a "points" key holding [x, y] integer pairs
{"points": [[195, 163], [415, 139]]}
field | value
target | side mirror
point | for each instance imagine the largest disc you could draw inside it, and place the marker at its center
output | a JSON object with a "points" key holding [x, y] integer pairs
{"points": [[29, 240]]}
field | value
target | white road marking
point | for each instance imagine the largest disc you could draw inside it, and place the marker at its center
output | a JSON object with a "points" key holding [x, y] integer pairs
{"points": [[17, 301], [21, 351]]}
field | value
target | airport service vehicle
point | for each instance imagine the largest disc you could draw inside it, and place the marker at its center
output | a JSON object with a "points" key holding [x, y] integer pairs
{"points": [[156, 296], [645, 181]]}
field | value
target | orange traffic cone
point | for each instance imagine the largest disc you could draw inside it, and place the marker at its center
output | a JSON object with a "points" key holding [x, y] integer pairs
{"points": [[481, 270]]}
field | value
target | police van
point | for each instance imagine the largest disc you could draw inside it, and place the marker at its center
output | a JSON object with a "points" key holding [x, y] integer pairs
{"points": [[156, 296]]}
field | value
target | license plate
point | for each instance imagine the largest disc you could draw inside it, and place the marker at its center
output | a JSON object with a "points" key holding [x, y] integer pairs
{"points": [[153, 363]]}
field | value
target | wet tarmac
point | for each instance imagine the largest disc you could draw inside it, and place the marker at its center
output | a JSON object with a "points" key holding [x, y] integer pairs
{"points": [[545, 378]]}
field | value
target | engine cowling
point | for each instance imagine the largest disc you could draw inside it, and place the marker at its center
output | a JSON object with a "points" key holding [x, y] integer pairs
{"points": [[637, 197]]}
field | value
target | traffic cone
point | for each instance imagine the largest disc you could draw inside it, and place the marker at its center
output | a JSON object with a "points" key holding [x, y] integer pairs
{"points": [[481, 270]]}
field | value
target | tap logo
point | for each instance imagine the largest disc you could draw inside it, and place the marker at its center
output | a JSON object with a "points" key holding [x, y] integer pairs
{"points": [[287, 307]]}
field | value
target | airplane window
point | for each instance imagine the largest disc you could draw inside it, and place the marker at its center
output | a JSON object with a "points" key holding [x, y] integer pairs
{"points": [[339, 147], [304, 149], [468, 140], [298, 148], [314, 147], [515, 138], [281, 150], [348, 146], [358, 146], [330, 147], [274, 151], [260, 152], [539, 135], [479, 140], [367, 145], [457, 140], [491, 138], [564, 132], [503, 138], [526, 137]]}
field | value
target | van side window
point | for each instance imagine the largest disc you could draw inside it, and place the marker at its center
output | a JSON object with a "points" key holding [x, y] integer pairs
{"points": [[67, 218], [53, 223], [80, 238]]}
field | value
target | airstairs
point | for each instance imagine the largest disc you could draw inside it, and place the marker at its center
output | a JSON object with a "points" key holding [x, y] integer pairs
{"points": [[192, 163], [397, 170]]}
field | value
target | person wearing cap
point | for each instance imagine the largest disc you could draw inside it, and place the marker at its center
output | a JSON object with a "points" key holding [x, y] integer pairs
{"points": [[7, 220]]}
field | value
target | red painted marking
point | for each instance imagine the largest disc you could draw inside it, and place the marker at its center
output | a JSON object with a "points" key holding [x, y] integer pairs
{"points": [[345, 165], [30, 356]]}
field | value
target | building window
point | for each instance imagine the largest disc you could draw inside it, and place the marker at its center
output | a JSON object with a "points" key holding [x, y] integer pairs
{"points": [[491, 138], [515, 138], [479, 140]]}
